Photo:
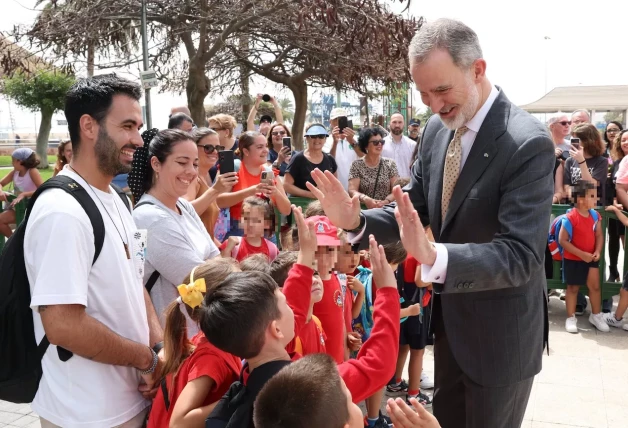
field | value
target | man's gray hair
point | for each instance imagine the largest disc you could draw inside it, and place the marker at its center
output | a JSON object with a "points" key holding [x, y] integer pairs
{"points": [[582, 111], [458, 39]]}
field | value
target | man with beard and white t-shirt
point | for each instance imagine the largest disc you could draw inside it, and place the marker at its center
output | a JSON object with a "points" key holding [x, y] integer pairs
{"points": [[398, 147], [99, 312]]}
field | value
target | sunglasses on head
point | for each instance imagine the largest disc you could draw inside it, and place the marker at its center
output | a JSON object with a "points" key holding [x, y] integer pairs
{"points": [[565, 123], [209, 149], [275, 133], [377, 142], [317, 137]]}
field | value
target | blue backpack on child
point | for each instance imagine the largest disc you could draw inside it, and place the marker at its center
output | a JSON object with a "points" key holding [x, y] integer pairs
{"points": [[363, 323]]}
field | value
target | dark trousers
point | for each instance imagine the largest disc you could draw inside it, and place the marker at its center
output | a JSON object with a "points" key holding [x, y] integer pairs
{"points": [[461, 403], [613, 245]]}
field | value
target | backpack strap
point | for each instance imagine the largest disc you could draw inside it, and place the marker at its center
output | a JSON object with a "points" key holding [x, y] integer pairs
{"points": [[155, 275], [164, 392], [273, 252], [123, 196]]}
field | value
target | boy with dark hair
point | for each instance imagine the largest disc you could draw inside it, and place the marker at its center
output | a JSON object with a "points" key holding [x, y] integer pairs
{"points": [[280, 404], [256, 262], [280, 267], [248, 316]]}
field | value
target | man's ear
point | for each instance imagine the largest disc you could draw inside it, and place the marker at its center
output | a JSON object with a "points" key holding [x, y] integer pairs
{"points": [[89, 128], [479, 69], [275, 331]]}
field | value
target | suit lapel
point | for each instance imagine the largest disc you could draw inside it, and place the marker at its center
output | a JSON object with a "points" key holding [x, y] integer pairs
{"points": [[441, 142]]}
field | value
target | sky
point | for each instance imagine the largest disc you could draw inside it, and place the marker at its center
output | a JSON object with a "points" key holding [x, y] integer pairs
{"points": [[586, 46]]}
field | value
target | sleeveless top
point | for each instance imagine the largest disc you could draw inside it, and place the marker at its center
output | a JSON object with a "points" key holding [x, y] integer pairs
{"points": [[23, 184]]}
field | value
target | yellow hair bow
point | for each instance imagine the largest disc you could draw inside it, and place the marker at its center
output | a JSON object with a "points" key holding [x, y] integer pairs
{"points": [[192, 293]]}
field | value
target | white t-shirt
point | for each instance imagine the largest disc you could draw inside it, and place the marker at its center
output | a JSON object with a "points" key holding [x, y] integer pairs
{"points": [[400, 152], [177, 243], [58, 253], [345, 155]]}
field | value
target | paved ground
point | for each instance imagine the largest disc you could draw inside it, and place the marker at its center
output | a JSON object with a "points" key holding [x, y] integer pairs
{"points": [[584, 381]]}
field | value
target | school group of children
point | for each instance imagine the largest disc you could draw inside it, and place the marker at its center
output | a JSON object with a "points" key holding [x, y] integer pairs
{"points": [[295, 338]]}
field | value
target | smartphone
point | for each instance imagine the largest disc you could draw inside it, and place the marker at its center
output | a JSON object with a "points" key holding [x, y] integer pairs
{"points": [[350, 124], [268, 177], [342, 123], [225, 161], [287, 142], [575, 142]]}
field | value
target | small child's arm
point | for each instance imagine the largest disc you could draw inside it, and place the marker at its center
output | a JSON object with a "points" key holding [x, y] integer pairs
{"points": [[410, 311], [620, 215], [354, 284], [599, 242]]}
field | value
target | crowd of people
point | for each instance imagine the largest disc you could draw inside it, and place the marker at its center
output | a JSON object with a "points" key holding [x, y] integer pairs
{"points": [[194, 313]]}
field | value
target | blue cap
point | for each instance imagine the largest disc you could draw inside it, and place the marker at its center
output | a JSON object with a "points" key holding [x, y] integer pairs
{"points": [[316, 130], [22, 154]]}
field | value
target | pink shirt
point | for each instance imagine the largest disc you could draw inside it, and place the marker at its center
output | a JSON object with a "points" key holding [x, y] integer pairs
{"points": [[622, 173]]}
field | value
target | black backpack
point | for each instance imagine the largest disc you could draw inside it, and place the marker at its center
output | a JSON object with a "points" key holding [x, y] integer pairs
{"points": [[20, 371]]}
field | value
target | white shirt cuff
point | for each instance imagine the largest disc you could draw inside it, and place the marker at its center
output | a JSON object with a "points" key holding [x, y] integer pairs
{"points": [[438, 271], [355, 238]]}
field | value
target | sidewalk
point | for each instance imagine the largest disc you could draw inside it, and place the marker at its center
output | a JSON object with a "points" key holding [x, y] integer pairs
{"points": [[584, 381]]}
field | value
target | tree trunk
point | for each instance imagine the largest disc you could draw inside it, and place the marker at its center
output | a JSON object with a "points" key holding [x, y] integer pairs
{"points": [[299, 91], [245, 82], [90, 60], [197, 88], [42, 137]]}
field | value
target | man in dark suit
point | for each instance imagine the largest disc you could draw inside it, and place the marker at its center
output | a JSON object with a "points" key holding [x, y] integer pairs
{"points": [[483, 184]]}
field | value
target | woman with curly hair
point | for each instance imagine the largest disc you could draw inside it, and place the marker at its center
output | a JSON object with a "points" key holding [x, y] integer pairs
{"points": [[64, 156]]}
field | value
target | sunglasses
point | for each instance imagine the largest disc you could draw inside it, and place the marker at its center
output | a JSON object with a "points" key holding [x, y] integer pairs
{"points": [[377, 143], [217, 129], [209, 149], [275, 133], [612, 131], [565, 123], [317, 137]]}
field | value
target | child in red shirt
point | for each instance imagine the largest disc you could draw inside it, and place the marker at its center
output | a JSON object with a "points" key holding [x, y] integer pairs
{"points": [[197, 374], [581, 255], [330, 309], [258, 224]]}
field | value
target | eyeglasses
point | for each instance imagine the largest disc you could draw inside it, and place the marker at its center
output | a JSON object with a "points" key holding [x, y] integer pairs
{"points": [[275, 133], [565, 123], [217, 129], [377, 143], [317, 137], [612, 131], [209, 149]]}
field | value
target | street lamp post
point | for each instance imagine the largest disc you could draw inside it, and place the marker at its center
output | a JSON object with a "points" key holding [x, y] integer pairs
{"points": [[149, 121], [546, 54]]}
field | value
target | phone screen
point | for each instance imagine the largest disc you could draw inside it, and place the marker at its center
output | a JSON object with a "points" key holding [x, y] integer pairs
{"points": [[575, 142], [342, 123], [287, 142], [225, 161]]}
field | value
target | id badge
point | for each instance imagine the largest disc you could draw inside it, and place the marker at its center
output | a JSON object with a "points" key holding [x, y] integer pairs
{"points": [[139, 251]]}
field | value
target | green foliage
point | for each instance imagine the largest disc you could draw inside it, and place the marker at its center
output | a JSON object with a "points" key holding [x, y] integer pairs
{"points": [[425, 116], [44, 91], [614, 115]]}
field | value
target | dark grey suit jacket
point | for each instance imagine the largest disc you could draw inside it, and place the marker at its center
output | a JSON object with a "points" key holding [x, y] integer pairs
{"points": [[495, 231]]}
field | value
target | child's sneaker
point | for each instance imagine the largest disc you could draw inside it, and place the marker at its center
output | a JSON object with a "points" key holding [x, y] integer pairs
{"points": [[382, 422], [598, 321], [426, 381], [612, 321], [424, 399], [397, 388], [571, 324]]}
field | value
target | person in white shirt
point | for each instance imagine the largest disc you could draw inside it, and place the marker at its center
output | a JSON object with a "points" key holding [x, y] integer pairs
{"points": [[101, 313], [398, 147], [344, 147]]}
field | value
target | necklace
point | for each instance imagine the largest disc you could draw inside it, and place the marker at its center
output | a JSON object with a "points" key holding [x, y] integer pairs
{"points": [[126, 245]]}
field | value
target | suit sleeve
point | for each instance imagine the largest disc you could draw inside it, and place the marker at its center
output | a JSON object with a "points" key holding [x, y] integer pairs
{"points": [[297, 289], [377, 358], [518, 248]]}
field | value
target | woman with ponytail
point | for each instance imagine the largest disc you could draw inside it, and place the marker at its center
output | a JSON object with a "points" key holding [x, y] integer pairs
{"points": [[195, 373], [176, 238]]}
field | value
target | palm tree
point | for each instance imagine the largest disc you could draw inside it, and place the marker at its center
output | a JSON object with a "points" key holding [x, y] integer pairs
{"points": [[287, 109]]}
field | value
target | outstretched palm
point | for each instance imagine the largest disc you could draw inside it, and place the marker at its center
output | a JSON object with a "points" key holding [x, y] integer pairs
{"points": [[342, 210]]}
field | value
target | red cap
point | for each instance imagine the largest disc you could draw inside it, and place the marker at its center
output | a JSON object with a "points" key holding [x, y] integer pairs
{"points": [[326, 233]]}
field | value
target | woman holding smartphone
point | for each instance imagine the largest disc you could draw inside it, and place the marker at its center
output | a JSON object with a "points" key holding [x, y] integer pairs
{"points": [[279, 155], [253, 150]]}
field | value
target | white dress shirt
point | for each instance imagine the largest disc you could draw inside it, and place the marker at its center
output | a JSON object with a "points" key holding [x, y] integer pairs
{"points": [[438, 271]]}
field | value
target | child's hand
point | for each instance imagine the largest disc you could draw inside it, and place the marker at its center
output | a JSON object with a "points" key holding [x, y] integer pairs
{"points": [[612, 208], [354, 341], [383, 275], [414, 310], [596, 256], [307, 238], [403, 416], [355, 284], [587, 257]]}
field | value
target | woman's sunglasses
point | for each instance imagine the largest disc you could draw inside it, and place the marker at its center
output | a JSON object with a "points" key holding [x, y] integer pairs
{"points": [[377, 142], [209, 149], [275, 133]]}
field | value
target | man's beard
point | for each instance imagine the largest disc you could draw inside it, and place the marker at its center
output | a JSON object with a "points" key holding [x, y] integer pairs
{"points": [[108, 155], [467, 111], [396, 131]]}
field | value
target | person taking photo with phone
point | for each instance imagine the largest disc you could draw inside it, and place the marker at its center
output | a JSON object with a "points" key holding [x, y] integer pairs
{"points": [[344, 146], [279, 154], [265, 120], [253, 151]]}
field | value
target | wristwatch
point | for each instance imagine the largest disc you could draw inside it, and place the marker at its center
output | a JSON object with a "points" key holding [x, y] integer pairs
{"points": [[153, 365], [158, 347], [360, 225]]}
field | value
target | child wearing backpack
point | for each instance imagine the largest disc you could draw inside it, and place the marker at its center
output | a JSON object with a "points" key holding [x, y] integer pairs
{"points": [[581, 255], [258, 224], [26, 179], [196, 374]]}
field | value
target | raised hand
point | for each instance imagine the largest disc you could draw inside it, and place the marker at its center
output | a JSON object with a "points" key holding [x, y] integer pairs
{"points": [[307, 238], [342, 210], [411, 230], [225, 182]]}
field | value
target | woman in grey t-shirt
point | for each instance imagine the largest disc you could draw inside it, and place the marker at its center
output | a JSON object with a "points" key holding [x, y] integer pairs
{"points": [[177, 240]]}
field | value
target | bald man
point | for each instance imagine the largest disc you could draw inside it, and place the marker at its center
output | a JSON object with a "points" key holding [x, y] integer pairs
{"points": [[180, 109], [398, 147]]}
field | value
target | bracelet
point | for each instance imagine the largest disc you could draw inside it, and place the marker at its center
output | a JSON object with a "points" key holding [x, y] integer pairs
{"points": [[362, 197], [580, 163], [158, 347], [153, 365]]}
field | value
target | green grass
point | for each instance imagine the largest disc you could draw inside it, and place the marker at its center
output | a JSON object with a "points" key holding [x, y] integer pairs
{"points": [[6, 160], [45, 175]]}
